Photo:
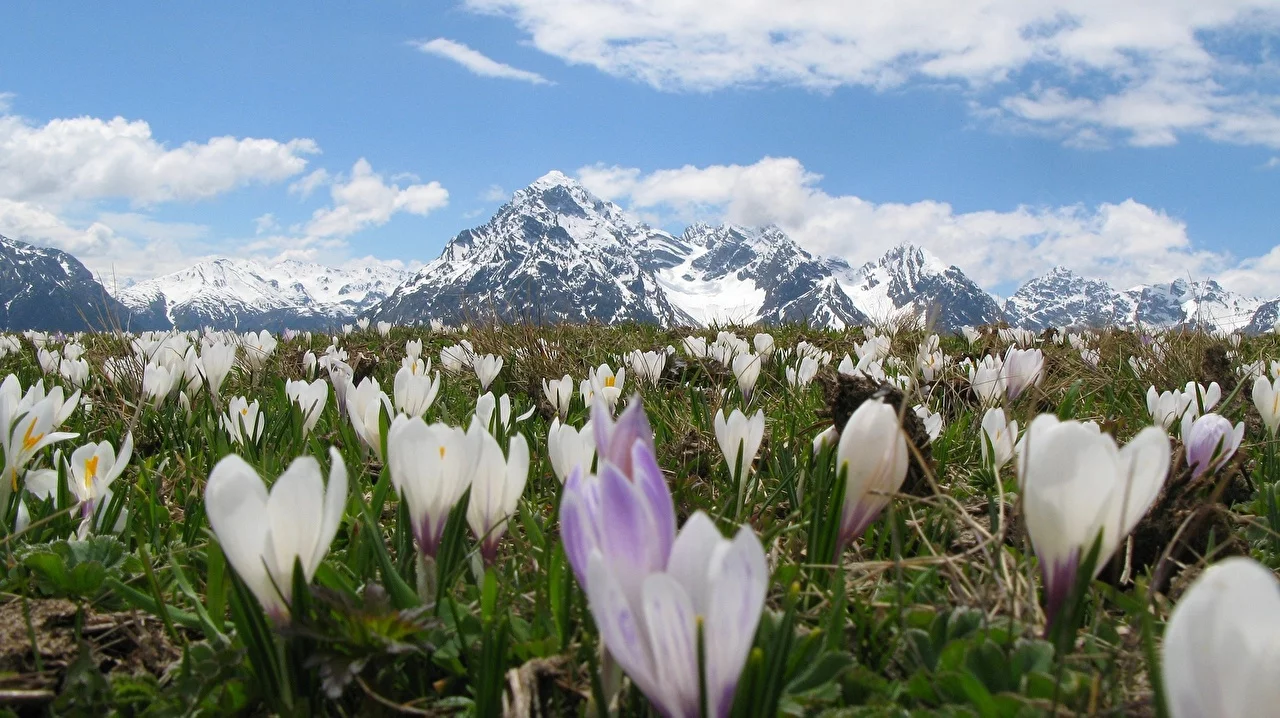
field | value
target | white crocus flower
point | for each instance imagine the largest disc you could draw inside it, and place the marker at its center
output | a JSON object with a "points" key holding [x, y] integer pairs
{"points": [[1201, 399], [559, 393], [415, 392], [998, 438], [243, 421], [90, 473], [606, 385], [1166, 408], [764, 344], [932, 421], [1219, 652], [647, 366], [431, 467], [695, 347], [496, 487], [987, 379], [1077, 484], [1022, 369], [158, 383], [258, 348], [570, 449], [310, 398], [264, 533], [487, 368], [364, 408], [872, 452], [1266, 397], [413, 349], [746, 368], [487, 404], [216, 361], [738, 433]]}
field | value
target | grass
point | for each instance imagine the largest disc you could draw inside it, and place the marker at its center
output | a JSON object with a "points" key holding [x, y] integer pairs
{"points": [[934, 610]]}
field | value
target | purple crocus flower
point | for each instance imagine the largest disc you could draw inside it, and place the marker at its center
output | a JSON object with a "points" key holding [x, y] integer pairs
{"points": [[1211, 441], [650, 589]]}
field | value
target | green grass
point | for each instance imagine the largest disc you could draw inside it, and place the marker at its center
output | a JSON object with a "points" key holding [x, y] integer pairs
{"points": [[935, 610]]}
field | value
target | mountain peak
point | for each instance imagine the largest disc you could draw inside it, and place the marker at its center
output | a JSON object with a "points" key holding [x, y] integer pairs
{"points": [[554, 178]]}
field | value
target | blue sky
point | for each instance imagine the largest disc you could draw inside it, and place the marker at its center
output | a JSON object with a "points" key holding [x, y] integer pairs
{"points": [[1130, 147]]}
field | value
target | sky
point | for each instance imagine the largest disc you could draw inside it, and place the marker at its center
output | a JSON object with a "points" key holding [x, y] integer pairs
{"points": [[1133, 142]]}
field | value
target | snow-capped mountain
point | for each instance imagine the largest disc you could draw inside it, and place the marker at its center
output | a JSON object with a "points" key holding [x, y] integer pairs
{"points": [[555, 252], [732, 274], [1062, 298], [47, 289], [910, 281], [249, 295]]}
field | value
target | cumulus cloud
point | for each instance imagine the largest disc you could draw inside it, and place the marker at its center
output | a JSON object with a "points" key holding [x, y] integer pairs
{"points": [[1125, 242], [477, 62], [1147, 71], [310, 183], [87, 158], [365, 200], [495, 193]]}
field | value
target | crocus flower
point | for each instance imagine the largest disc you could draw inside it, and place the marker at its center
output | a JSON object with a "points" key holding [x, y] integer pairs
{"points": [[486, 368], [310, 364], [431, 467], [987, 379], [486, 406], [559, 393], [496, 487], [738, 433], [28, 423], [414, 391], [764, 344], [998, 437], [158, 383], [384, 328], [648, 589], [1266, 396], [257, 348], [932, 421], [310, 398], [872, 452], [651, 629], [606, 385], [1201, 399], [570, 449], [1022, 368], [1211, 441], [695, 347], [263, 533], [1166, 408], [243, 421], [1219, 646], [624, 510], [746, 368], [90, 473], [1077, 483], [364, 408], [413, 348], [647, 366], [804, 372]]}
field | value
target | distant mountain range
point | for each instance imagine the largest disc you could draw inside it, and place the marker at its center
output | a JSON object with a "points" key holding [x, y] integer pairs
{"points": [[556, 253]]}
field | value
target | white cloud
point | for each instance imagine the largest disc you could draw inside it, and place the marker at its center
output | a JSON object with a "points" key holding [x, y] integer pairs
{"points": [[1271, 164], [365, 200], [6, 101], [495, 193], [265, 223], [310, 183], [1148, 70], [477, 62], [102, 245], [86, 158], [1124, 243]]}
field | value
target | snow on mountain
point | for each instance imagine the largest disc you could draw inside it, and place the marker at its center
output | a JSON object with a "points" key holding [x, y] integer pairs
{"points": [[248, 295], [555, 252], [1062, 298], [909, 281], [733, 274], [47, 289]]}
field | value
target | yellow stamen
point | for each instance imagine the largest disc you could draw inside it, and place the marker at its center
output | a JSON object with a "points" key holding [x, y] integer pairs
{"points": [[28, 441], [90, 471], [442, 452], [244, 412], [610, 380]]}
